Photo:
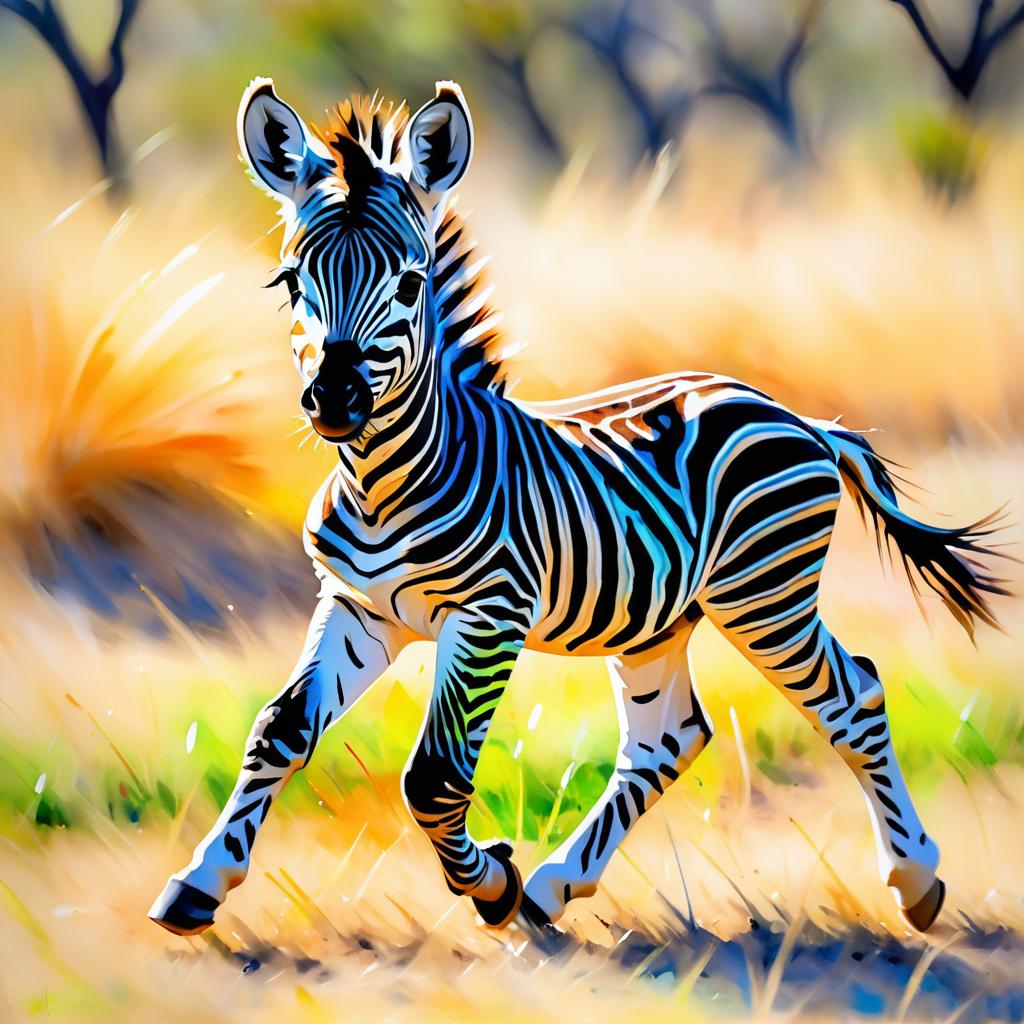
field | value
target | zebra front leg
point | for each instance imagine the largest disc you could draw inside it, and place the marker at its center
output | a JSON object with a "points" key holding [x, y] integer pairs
{"points": [[662, 729], [475, 656], [346, 649]]}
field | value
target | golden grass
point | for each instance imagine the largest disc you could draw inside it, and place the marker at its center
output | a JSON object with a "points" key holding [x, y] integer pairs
{"points": [[358, 920], [849, 292], [139, 356], [137, 353]]}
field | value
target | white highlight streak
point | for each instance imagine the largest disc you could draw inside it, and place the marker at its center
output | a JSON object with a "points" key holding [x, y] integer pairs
{"points": [[174, 313]]}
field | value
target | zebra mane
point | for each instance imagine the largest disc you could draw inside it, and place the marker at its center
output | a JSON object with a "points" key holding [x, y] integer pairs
{"points": [[372, 122], [469, 338]]}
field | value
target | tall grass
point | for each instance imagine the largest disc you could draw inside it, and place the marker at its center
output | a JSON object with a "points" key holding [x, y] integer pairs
{"points": [[148, 421], [140, 391], [851, 291]]}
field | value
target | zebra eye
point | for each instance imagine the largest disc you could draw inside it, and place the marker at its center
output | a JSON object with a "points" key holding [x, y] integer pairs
{"points": [[409, 285], [289, 277]]}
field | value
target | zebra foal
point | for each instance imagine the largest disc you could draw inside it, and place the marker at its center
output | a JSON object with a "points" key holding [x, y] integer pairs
{"points": [[604, 525]]}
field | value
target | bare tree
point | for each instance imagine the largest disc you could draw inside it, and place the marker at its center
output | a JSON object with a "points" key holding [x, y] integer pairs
{"points": [[769, 92], [615, 34], [94, 94], [963, 76], [512, 79]]}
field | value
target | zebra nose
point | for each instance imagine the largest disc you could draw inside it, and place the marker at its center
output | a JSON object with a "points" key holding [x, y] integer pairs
{"points": [[312, 398]]}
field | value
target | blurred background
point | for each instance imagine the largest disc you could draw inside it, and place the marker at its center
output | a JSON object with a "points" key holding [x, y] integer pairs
{"points": [[821, 198]]}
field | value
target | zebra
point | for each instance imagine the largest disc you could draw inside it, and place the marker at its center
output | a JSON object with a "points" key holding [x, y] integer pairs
{"points": [[609, 524]]}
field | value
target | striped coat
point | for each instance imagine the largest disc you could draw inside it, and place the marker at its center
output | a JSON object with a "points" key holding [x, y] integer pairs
{"points": [[605, 525]]}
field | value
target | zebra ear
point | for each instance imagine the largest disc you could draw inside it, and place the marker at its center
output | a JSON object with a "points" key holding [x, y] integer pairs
{"points": [[275, 142], [439, 141]]}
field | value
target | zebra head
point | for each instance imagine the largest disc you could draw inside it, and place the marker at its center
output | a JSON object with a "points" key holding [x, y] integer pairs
{"points": [[360, 202]]}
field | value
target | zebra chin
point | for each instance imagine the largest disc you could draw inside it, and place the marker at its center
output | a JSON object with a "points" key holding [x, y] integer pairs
{"points": [[338, 433]]}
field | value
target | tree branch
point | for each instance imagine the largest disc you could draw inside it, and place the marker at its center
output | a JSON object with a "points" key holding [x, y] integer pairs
{"points": [[110, 83], [929, 40], [1010, 25], [978, 34], [27, 11], [517, 85], [659, 118], [797, 48], [94, 96], [770, 93], [963, 78]]}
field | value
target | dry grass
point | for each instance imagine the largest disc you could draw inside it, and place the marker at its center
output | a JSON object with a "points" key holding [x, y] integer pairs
{"points": [[851, 292], [147, 405]]}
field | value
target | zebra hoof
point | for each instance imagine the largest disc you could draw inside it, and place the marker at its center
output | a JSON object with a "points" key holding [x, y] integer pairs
{"points": [[864, 662], [546, 938], [533, 915], [922, 914], [498, 913], [183, 909]]}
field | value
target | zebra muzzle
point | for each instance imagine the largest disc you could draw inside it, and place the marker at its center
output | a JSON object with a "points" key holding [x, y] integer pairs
{"points": [[338, 400]]}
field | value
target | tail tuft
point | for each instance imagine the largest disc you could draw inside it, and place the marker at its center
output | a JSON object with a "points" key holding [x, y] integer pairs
{"points": [[950, 561]]}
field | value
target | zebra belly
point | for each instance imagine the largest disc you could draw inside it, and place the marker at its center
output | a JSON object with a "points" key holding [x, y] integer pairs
{"points": [[610, 601], [626, 633], [619, 591], [604, 568]]}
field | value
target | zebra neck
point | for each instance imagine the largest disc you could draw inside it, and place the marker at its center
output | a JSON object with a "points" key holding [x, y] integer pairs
{"points": [[415, 447]]}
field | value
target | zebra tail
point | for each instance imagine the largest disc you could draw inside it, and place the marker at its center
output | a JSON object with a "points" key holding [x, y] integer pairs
{"points": [[950, 561]]}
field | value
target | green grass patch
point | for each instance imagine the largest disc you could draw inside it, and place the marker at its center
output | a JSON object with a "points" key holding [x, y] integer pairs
{"points": [[533, 784]]}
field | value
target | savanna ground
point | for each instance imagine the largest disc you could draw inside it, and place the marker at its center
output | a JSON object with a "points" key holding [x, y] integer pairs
{"points": [[154, 592]]}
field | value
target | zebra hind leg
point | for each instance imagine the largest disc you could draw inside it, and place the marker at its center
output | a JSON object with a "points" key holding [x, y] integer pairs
{"points": [[841, 695], [762, 594], [662, 729]]}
